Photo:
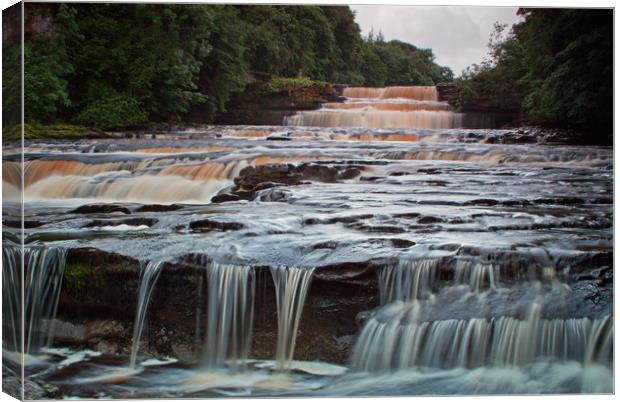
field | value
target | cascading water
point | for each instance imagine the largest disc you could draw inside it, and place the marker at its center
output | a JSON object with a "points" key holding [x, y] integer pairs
{"points": [[408, 280], [230, 317], [185, 181], [476, 274], [292, 284], [505, 283], [391, 107], [42, 280], [149, 277], [397, 341], [400, 334]]}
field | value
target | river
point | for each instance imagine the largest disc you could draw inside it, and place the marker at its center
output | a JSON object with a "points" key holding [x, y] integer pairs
{"points": [[371, 247]]}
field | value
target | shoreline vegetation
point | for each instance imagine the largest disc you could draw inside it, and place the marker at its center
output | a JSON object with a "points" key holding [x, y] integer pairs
{"points": [[92, 68]]}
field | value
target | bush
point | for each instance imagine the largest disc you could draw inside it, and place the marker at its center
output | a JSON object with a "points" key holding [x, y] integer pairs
{"points": [[51, 131], [114, 111]]}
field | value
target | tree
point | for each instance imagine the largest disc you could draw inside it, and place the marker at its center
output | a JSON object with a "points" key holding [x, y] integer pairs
{"points": [[555, 66]]}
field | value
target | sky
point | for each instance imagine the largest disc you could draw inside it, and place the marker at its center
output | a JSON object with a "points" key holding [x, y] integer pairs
{"points": [[458, 36]]}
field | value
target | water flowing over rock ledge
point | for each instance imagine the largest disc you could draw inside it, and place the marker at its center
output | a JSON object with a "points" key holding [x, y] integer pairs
{"points": [[288, 258]]}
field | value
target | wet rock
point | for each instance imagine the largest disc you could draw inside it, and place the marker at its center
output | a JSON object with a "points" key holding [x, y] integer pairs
{"points": [[183, 351], [284, 174], [436, 183], [254, 179], [64, 332], [96, 258], [345, 342], [325, 245], [402, 243], [117, 222], [483, 201], [560, 201], [265, 185], [397, 243], [362, 317], [429, 171], [407, 215], [376, 228], [511, 203], [100, 209], [279, 138], [32, 389], [425, 220], [106, 347], [312, 221], [364, 227], [349, 218], [349, 174], [104, 329], [18, 224], [371, 178], [346, 272], [226, 197], [322, 173], [159, 208], [207, 225], [274, 195]]}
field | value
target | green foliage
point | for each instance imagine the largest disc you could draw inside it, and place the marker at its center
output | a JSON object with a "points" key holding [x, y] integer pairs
{"points": [[121, 65], [290, 84], [78, 278], [112, 111], [50, 131], [555, 66]]}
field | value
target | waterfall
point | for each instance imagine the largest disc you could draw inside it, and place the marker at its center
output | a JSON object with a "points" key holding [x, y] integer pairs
{"points": [[407, 280], [390, 107], [230, 315], [185, 180], [424, 93], [401, 334], [391, 341], [42, 282], [147, 284], [292, 286], [415, 279], [477, 275], [230, 312]]}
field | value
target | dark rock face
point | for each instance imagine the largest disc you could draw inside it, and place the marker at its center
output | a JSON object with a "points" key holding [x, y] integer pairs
{"points": [[159, 208], [281, 174], [18, 225], [447, 92], [207, 225], [101, 314], [225, 198], [100, 209], [117, 222], [254, 106], [254, 179]]}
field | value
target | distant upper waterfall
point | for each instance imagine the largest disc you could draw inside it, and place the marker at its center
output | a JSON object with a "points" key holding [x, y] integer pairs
{"points": [[390, 107]]}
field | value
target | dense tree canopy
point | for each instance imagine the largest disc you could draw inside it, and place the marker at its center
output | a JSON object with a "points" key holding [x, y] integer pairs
{"points": [[555, 66], [118, 65]]}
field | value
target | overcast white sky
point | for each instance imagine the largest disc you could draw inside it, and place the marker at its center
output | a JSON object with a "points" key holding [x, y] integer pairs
{"points": [[458, 36]]}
